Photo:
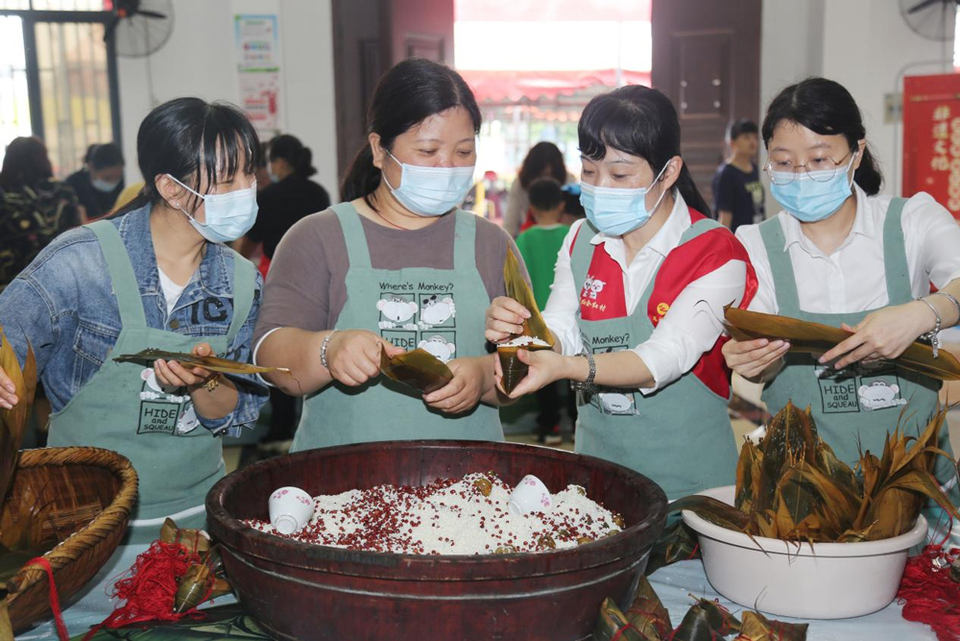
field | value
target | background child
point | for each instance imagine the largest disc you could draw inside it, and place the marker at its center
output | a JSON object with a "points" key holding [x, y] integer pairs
{"points": [[539, 246]]}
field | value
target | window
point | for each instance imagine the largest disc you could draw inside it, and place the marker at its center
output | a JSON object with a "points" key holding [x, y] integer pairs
{"points": [[58, 77]]}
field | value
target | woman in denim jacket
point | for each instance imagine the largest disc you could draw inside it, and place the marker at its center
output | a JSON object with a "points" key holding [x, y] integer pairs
{"points": [[154, 275]]}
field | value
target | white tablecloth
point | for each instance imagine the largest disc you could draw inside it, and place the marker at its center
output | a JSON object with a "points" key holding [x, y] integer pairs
{"points": [[675, 583]]}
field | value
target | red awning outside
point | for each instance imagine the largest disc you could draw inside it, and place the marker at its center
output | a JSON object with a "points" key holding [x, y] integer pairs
{"points": [[538, 10], [513, 86]]}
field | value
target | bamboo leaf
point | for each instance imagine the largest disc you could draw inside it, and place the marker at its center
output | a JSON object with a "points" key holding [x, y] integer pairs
{"points": [[815, 338], [518, 289], [756, 627], [706, 621], [677, 543], [613, 624], [713, 511], [213, 363], [417, 368], [648, 614]]}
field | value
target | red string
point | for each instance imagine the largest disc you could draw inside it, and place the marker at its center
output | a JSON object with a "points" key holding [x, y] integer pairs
{"points": [[54, 599], [620, 632], [928, 594], [148, 592]]}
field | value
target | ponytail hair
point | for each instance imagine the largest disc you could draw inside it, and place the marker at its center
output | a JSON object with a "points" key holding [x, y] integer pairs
{"points": [[406, 95], [827, 108], [290, 149], [639, 121]]}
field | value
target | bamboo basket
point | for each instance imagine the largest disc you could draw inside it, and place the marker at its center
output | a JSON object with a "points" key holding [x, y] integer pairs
{"points": [[92, 491]]}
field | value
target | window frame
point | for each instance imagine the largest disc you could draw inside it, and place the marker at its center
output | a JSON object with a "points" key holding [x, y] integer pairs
{"points": [[29, 19]]}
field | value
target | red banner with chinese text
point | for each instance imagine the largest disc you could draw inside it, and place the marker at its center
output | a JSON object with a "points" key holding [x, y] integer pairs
{"points": [[931, 138]]}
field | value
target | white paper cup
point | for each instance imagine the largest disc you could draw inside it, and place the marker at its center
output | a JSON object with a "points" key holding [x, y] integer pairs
{"points": [[530, 495], [290, 509]]}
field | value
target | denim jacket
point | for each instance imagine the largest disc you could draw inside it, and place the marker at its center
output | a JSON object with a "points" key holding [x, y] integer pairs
{"points": [[63, 304]]}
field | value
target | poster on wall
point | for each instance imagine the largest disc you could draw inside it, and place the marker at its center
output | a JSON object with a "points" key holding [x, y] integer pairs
{"points": [[931, 138], [257, 39]]}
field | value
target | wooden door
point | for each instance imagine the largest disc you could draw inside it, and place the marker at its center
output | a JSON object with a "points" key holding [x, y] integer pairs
{"points": [[369, 37], [706, 59]]}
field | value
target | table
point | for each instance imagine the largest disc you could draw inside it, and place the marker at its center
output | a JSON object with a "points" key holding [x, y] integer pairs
{"points": [[674, 584]]}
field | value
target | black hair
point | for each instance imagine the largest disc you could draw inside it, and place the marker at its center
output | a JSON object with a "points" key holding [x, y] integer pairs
{"points": [[542, 157], [639, 121], [545, 194], [86, 155], [827, 108], [264, 155], [26, 163], [103, 156], [406, 95], [740, 127], [189, 139], [571, 203], [290, 148]]}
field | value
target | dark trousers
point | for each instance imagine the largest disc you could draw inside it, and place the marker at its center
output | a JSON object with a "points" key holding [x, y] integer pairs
{"points": [[284, 417], [551, 399]]}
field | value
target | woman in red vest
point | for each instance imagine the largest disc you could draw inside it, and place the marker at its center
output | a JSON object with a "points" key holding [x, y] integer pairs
{"points": [[637, 303]]}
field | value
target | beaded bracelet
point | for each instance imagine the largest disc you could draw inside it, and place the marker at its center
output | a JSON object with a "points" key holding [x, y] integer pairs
{"points": [[326, 343], [933, 335]]}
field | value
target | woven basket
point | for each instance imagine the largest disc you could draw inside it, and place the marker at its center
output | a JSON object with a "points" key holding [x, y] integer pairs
{"points": [[92, 491]]}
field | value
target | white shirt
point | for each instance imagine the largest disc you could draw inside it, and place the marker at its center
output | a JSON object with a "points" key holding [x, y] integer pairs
{"points": [[171, 291], [688, 330], [852, 279]]}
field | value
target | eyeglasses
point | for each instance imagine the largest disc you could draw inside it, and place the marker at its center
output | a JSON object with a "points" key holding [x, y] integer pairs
{"points": [[784, 172]]}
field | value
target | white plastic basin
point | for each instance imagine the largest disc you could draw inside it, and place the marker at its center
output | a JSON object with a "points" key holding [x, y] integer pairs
{"points": [[818, 581]]}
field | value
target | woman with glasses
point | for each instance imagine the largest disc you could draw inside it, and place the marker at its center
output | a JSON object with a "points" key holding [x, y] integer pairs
{"points": [[840, 254], [637, 300]]}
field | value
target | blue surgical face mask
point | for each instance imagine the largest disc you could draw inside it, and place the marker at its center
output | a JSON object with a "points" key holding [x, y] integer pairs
{"points": [[228, 216], [104, 185], [431, 191], [615, 210], [808, 200]]}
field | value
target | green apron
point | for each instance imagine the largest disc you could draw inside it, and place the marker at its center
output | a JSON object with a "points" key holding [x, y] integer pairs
{"points": [[441, 310], [856, 407], [121, 407], [680, 436], [853, 408]]}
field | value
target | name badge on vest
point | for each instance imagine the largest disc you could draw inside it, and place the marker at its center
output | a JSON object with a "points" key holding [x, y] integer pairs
{"points": [[612, 400], [162, 411], [859, 390]]}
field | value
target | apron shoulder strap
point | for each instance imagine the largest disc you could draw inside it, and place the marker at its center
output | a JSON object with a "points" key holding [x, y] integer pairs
{"points": [[125, 285], [895, 265], [465, 241], [781, 267], [244, 285], [582, 254], [357, 250], [702, 226]]}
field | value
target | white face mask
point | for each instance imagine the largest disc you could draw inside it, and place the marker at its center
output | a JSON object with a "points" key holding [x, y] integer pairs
{"points": [[431, 191], [228, 216], [104, 185]]}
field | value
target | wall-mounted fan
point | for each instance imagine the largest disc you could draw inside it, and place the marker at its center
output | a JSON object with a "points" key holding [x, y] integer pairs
{"points": [[140, 27], [932, 19]]}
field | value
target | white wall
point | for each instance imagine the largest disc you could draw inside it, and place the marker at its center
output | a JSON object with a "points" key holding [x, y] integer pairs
{"points": [[863, 44], [199, 60]]}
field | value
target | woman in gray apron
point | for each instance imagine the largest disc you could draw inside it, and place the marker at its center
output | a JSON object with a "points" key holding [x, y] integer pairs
{"points": [[154, 275], [635, 307], [840, 254], [396, 267]]}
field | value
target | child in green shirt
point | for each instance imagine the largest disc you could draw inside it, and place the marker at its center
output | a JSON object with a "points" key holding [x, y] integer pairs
{"points": [[539, 247]]}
